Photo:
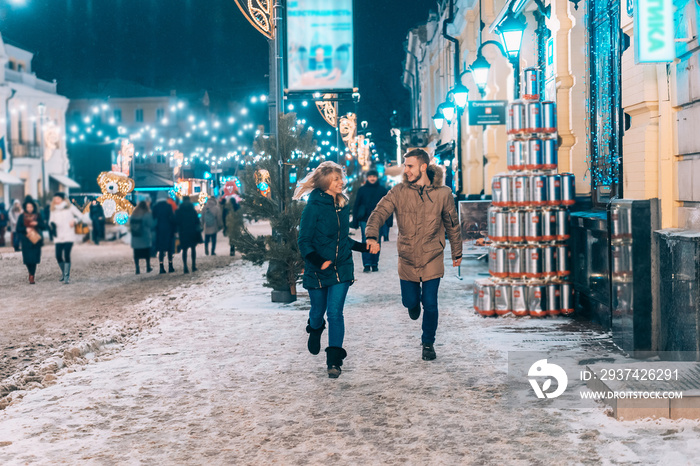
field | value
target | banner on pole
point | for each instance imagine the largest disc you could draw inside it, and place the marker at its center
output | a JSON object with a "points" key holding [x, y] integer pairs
{"points": [[320, 45]]}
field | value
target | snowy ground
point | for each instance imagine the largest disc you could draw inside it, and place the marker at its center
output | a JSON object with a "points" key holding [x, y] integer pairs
{"points": [[223, 377]]}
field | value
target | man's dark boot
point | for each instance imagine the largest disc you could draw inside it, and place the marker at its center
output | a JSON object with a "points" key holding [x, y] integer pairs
{"points": [[334, 359], [314, 344], [414, 312], [162, 268], [171, 269], [232, 251], [367, 269], [428, 352], [138, 269]]}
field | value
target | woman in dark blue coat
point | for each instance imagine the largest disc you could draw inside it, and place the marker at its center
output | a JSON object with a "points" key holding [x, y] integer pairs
{"points": [[165, 232], [189, 231], [326, 247]]}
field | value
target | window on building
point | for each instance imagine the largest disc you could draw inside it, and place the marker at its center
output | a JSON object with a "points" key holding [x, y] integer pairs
{"points": [[118, 115], [160, 114], [139, 115]]}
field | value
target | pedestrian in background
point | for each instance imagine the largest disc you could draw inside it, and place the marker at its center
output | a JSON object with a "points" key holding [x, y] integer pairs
{"points": [[13, 215], [424, 209], [30, 226], [233, 220], [368, 196], [189, 231], [63, 218], [165, 231], [211, 223], [141, 225], [97, 217], [4, 221], [326, 247]]}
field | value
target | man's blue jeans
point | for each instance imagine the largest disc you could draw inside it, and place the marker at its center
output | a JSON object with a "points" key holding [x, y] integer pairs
{"points": [[331, 300], [412, 295], [368, 259]]}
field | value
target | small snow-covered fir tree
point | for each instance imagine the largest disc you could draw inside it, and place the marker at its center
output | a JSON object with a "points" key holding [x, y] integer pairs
{"points": [[279, 249]]}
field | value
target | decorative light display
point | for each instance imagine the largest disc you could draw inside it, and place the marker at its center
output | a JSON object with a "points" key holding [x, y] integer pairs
{"points": [[348, 129], [121, 218], [201, 200], [259, 14], [328, 109], [126, 154], [114, 186], [262, 182]]}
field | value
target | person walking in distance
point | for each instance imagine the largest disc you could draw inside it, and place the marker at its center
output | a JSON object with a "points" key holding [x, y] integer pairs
{"points": [[165, 231], [97, 216], [4, 221], [30, 225], [189, 231], [15, 212], [367, 198], [326, 247], [211, 224], [63, 217], [424, 209], [141, 225]]}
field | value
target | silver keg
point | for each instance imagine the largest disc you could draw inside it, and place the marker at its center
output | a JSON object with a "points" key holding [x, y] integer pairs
{"points": [[554, 189], [533, 109], [549, 225], [563, 261], [567, 299], [568, 189], [498, 266], [516, 226], [496, 188], [549, 150], [498, 225], [533, 262], [549, 117], [535, 154], [517, 153], [486, 304], [502, 299], [515, 123], [553, 299], [537, 299], [516, 262], [531, 77], [533, 225], [538, 190], [563, 226], [521, 190], [518, 294], [549, 261]]}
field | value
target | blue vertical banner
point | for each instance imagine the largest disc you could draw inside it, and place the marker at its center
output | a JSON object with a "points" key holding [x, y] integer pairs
{"points": [[2, 149], [654, 38], [319, 45]]}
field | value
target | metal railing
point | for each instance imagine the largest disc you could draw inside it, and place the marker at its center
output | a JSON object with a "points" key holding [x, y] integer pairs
{"points": [[23, 149]]}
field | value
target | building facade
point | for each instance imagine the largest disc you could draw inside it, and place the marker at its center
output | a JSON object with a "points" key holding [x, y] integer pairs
{"points": [[626, 131], [32, 113]]}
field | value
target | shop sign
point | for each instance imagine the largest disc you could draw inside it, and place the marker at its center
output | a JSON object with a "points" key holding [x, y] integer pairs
{"points": [[653, 31], [487, 112]]}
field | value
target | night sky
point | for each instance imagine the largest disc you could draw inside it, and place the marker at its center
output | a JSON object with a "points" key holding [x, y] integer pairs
{"points": [[195, 45]]}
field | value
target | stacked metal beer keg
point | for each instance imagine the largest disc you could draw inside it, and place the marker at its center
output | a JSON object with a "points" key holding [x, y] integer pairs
{"points": [[529, 259]]}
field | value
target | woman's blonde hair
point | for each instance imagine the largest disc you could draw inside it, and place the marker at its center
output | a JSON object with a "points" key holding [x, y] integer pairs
{"points": [[320, 178]]}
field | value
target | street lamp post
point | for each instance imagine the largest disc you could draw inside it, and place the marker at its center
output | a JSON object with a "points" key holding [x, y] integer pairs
{"points": [[42, 112]]}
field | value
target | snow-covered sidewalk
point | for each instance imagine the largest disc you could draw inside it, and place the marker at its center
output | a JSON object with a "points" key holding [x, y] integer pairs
{"points": [[225, 378]]}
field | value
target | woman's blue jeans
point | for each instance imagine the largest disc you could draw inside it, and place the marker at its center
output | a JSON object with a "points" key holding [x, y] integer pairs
{"points": [[412, 295], [330, 300]]}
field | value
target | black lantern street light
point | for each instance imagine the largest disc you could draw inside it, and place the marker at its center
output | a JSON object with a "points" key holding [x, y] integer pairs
{"points": [[511, 31], [438, 119]]}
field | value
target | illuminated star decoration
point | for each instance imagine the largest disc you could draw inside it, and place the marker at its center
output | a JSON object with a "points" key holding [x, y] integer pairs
{"points": [[262, 181]]}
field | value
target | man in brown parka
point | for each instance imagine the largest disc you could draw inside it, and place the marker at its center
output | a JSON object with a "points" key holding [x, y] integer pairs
{"points": [[424, 209]]}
